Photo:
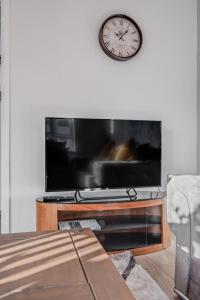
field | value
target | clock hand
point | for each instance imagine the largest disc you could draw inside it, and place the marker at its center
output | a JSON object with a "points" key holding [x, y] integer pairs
{"points": [[123, 34], [119, 36]]}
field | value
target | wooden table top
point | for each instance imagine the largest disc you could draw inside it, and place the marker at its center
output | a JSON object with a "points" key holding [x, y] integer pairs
{"points": [[67, 265]]}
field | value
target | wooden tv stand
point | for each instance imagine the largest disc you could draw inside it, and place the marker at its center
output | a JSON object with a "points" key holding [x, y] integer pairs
{"points": [[137, 225]]}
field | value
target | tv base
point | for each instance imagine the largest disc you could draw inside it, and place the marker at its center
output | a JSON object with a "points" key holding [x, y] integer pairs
{"points": [[131, 197]]}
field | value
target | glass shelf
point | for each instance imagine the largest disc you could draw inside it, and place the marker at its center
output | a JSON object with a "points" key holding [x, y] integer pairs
{"points": [[127, 223], [124, 229], [126, 241]]}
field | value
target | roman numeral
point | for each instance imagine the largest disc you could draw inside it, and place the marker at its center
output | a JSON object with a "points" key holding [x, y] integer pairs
{"points": [[107, 44], [107, 27], [133, 32], [113, 50], [120, 54], [136, 41], [133, 48], [113, 21], [121, 22], [105, 35]]}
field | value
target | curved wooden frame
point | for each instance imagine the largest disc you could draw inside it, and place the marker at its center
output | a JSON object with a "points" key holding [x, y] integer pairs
{"points": [[103, 46], [47, 217]]}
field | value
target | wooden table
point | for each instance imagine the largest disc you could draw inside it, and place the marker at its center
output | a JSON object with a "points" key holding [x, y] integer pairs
{"points": [[58, 265]]}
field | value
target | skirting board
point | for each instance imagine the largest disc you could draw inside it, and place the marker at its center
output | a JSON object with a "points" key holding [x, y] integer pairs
{"points": [[180, 294]]}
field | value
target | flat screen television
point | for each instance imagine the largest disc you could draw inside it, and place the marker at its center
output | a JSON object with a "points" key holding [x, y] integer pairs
{"points": [[102, 153]]}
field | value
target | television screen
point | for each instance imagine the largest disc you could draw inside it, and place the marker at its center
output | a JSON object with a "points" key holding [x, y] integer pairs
{"points": [[102, 153]]}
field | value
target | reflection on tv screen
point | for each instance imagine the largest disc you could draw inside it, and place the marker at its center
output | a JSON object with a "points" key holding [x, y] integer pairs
{"points": [[102, 153]]}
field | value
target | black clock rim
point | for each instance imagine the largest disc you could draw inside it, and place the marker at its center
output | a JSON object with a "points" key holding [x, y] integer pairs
{"points": [[105, 49]]}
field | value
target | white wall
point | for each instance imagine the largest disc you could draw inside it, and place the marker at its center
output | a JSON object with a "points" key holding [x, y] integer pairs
{"points": [[198, 86], [58, 69]]}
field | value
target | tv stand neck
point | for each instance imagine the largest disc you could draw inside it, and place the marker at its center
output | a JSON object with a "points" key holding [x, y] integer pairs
{"points": [[78, 197], [134, 196]]}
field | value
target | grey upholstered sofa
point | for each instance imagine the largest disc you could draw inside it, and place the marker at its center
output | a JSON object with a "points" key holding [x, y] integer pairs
{"points": [[183, 200]]}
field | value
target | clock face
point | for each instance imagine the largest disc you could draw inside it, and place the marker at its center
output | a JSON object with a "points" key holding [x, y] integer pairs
{"points": [[120, 37]]}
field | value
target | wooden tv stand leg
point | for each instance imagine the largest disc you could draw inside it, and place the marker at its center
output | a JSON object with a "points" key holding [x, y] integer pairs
{"points": [[46, 217], [166, 241]]}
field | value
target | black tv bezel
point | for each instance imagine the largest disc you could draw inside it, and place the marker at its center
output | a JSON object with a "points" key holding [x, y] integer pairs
{"points": [[101, 188]]}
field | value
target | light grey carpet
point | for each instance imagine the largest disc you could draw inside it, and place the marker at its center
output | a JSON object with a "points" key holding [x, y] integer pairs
{"points": [[141, 284]]}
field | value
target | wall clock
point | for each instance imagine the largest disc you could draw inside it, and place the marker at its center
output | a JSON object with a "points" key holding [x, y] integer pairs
{"points": [[120, 37]]}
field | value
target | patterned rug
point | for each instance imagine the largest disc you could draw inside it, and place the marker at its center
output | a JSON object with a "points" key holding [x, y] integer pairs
{"points": [[141, 284]]}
